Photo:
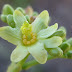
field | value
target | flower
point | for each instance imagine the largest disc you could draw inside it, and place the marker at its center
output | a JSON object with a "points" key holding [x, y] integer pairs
{"points": [[31, 38]]}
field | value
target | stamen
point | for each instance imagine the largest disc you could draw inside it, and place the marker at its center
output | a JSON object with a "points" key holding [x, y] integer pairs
{"points": [[25, 41], [28, 36], [34, 37], [32, 40], [28, 42], [24, 37]]}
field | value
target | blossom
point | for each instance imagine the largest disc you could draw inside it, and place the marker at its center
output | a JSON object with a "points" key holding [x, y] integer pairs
{"points": [[31, 38]]}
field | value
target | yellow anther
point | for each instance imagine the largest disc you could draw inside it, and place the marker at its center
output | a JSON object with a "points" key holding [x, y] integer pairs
{"points": [[34, 37], [32, 40], [28, 42], [25, 41], [33, 34], [24, 37]]}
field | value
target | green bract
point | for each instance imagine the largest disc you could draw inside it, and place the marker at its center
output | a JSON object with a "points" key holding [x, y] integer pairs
{"points": [[44, 37]]}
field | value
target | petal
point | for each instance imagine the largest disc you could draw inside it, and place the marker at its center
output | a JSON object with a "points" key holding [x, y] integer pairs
{"points": [[19, 53], [60, 32], [52, 42], [41, 22], [19, 18], [10, 34], [38, 52], [48, 32]]}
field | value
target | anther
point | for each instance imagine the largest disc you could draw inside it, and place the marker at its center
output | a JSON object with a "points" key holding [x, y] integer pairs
{"points": [[31, 33], [25, 41], [34, 37], [28, 42], [24, 37], [32, 40], [34, 34]]}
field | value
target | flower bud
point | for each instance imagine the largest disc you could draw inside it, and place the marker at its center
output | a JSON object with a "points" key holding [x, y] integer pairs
{"points": [[7, 9], [70, 41], [4, 18], [32, 18], [35, 13], [65, 47], [21, 10], [29, 10], [10, 21], [69, 54], [56, 52], [28, 18]]}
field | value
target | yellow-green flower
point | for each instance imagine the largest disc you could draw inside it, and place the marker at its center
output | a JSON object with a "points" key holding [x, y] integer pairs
{"points": [[31, 38]]}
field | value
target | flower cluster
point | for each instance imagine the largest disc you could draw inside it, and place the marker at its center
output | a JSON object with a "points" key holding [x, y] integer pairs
{"points": [[31, 33]]}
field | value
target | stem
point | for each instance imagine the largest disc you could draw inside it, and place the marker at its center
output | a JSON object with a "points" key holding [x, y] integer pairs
{"points": [[34, 62], [16, 67], [23, 61], [29, 64]]}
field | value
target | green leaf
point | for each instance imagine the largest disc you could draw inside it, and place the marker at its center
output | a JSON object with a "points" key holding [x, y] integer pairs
{"points": [[48, 32], [10, 21], [19, 53], [19, 18], [7, 9], [52, 42], [10, 34], [41, 22], [38, 52]]}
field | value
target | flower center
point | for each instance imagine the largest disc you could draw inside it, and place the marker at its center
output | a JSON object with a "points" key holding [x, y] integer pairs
{"points": [[28, 37]]}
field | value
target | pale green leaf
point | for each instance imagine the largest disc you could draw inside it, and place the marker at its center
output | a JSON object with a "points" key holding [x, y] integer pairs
{"points": [[19, 53], [19, 18], [10, 34], [52, 42], [48, 32], [41, 22], [38, 52]]}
